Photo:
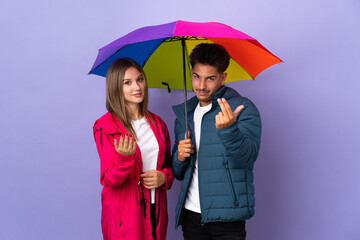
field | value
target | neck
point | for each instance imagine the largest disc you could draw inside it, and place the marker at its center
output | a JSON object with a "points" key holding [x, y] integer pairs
{"points": [[203, 104], [134, 111]]}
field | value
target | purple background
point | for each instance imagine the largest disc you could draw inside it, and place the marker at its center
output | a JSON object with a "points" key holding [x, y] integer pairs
{"points": [[307, 175]]}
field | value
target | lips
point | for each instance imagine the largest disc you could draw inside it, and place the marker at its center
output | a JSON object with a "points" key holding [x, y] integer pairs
{"points": [[137, 94], [202, 93]]}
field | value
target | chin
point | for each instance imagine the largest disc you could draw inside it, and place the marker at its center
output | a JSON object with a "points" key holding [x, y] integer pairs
{"points": [[203, 98]]}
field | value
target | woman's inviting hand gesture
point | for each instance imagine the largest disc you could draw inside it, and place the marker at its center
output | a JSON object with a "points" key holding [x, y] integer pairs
{"points": [[126, 145]]}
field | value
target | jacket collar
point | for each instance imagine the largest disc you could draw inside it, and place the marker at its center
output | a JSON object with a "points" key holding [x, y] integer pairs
{"points": [[179, 110], [219, 94]]}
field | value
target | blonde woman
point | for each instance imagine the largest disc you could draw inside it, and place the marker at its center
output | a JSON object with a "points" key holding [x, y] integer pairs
{"points": [[134, 149]]}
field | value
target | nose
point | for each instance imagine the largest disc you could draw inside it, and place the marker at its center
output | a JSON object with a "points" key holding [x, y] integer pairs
{"points": [[137, 85], [202, 84]]}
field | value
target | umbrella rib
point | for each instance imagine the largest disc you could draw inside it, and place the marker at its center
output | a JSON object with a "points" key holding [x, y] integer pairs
{"points": [[151, 52], [173, 39], [107, 58]]}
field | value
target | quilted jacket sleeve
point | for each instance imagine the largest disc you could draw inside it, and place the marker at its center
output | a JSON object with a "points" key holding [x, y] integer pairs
{"points": [[179, 167], [242, 139], [114, 167], [169, 176]]}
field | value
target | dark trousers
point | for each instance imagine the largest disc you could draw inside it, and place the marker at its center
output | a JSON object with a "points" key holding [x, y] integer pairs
{"points": [[153, 220], [193, 229]]}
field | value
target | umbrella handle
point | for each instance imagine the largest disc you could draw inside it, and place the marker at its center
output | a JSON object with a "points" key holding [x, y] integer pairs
{"points": [[166, 84]]}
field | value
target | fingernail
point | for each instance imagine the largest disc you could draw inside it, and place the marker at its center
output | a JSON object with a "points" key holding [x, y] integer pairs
{"points": [[130, 135]]}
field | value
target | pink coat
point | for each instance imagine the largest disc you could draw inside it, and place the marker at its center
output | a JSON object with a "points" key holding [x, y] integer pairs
{"points": [[124, 214]]}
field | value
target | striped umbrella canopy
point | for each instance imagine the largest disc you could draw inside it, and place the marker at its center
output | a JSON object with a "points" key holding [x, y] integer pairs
{"points": [[163, 52]]}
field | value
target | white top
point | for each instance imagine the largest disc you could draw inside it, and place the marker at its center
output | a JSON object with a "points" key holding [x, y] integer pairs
{"points": [[192, 202], [148, 145]]}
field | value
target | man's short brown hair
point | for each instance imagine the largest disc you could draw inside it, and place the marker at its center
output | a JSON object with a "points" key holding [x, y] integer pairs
{"points": [[210, 54]]}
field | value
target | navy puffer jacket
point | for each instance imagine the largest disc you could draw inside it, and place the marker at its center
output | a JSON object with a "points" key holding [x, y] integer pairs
{"points": [[225, 160]]}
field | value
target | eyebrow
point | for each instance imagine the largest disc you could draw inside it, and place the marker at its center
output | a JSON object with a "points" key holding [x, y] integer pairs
{"points": [[128, 79], [195, 73], [206, 77]]}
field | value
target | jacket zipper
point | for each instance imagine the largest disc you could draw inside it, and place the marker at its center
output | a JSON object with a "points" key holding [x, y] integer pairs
{"points": [[162, 165], [236, 203]]}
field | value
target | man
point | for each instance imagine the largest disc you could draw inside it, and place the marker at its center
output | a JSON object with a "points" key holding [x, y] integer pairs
{"points": [[215, 159]]}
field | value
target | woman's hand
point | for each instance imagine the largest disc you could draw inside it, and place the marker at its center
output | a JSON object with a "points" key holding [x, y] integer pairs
{"points": [[126, 145], [153, 179]]}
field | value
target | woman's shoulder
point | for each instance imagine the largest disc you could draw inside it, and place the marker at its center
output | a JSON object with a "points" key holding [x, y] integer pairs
{"points": [[103, 119], [158, 121], [105, 122], [156, 118], [153, 115]]}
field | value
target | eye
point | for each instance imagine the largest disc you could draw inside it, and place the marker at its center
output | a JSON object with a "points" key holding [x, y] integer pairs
{"points": [[140, 79], [196, 76], [211, 78], [127, 82]]}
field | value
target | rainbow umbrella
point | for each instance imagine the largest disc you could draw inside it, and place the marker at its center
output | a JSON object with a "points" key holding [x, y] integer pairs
{"points": [[163, 52]]}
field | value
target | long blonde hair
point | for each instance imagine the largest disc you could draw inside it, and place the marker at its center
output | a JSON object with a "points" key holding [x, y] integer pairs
{"points": [[115, 101]]}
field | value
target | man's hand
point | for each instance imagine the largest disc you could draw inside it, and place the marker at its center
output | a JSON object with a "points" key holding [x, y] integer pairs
{"points": [[126, 145], [153, 179], [185, 148], [226, 117]]}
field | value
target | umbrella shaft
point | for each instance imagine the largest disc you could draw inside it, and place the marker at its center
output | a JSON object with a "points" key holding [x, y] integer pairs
{"points": [[185, 91]]}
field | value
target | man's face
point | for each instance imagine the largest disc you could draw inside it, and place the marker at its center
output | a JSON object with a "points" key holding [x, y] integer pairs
{"points": [[205, 81]]}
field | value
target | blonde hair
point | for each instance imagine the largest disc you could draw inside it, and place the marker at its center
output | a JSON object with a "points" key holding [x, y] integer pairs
{"points": [[115, 101]]}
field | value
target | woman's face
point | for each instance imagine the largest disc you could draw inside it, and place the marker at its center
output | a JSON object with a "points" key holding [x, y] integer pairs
{"points": [[133, 86]]}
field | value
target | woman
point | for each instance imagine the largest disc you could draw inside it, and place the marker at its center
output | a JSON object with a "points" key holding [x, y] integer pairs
{"points": [[134, 149]]}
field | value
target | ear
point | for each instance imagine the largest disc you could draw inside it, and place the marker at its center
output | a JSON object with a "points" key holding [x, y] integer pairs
{"points": [[223, 78]]}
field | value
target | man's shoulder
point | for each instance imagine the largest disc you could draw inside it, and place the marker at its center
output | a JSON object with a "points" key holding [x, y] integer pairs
{"points": [[234, 97], [240, 100], [179, 109]]}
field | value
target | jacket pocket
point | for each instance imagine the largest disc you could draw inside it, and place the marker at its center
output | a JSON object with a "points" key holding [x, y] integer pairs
{"points": [[232, 189], [122, 229], [113, 134], [119, 226]]}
